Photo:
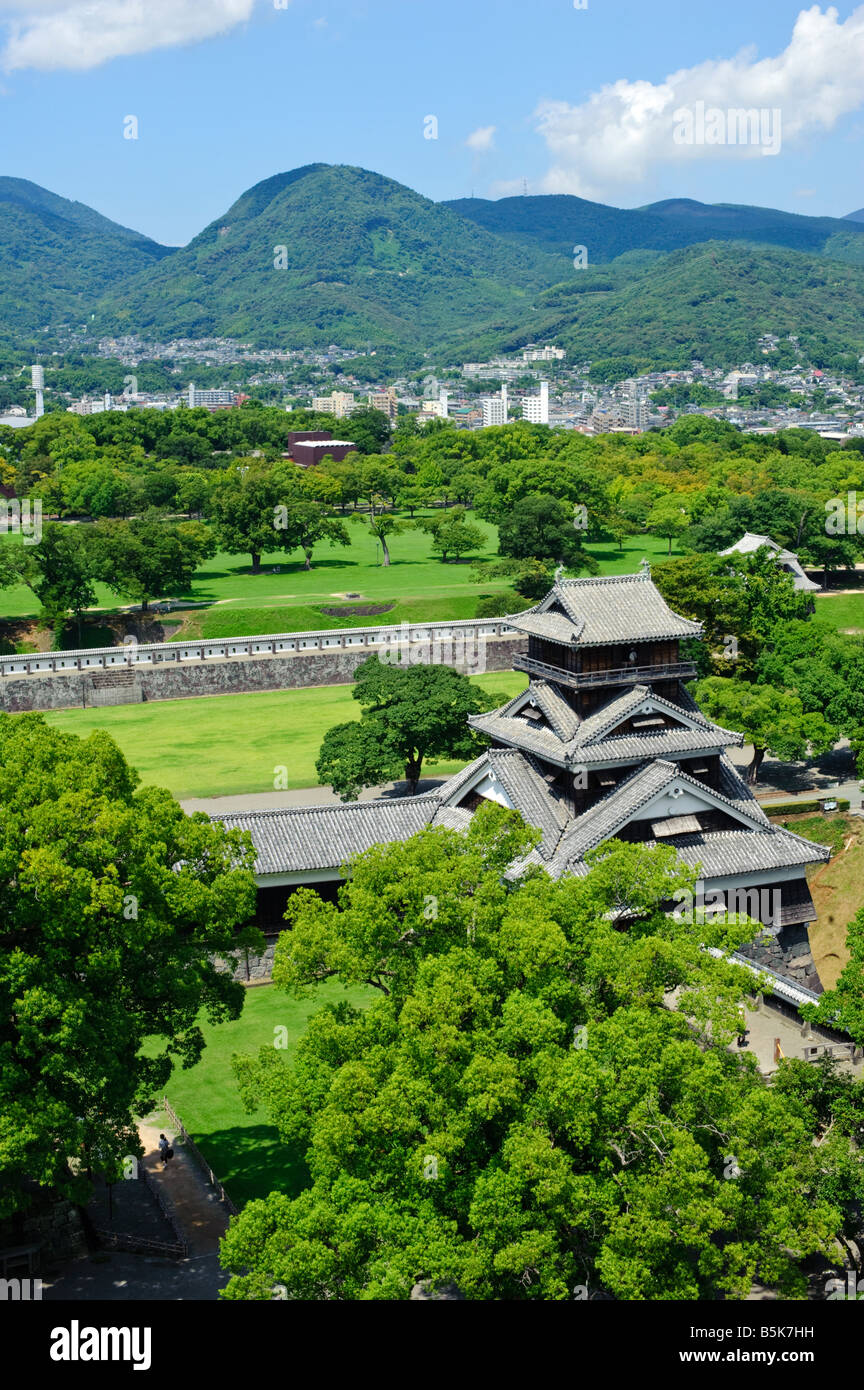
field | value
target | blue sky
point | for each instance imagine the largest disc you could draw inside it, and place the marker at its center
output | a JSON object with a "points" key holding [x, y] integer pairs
{"points": [[227, 92]]}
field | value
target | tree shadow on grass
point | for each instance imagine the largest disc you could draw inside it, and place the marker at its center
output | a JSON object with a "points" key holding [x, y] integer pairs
{"points": [[252, 1161]]}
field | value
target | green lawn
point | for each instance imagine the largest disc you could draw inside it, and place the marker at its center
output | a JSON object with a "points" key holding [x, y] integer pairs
{"points": [[414, 573], [231, 620], [223, 745], [243, 1150], [635, 548], [423, 588], [841, 610]]}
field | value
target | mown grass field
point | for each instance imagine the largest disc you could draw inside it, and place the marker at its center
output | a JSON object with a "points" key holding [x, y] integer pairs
{"points": [[419, 585], [414, 573], [224, 745], [244, 1150], [229, 620], [843, 611]]}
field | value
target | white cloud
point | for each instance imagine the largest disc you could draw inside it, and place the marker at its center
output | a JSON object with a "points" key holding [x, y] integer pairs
{"points": [[80, 34], [621, 133], [482, 139]]}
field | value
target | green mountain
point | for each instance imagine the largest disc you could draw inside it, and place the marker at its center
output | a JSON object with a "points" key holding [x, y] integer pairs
{"points": [[361, 258], [711, 301], [331, 253], [557, 222], [57, 257]]}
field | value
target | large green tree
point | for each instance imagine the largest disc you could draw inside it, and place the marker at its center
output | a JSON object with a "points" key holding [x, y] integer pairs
{"points": [[410, 714], [773, 720], [451, 534], [113, 905], [149, 557], [540, 527], [522, 1110], [60, 570], [242, 504], [743, 597]]}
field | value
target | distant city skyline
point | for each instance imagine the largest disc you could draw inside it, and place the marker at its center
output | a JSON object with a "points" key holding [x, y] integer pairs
{"points": [[161, 122]]}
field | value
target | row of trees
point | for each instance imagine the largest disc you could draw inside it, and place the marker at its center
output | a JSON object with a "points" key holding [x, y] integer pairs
{"points": [[255, 508], [139, 560]]}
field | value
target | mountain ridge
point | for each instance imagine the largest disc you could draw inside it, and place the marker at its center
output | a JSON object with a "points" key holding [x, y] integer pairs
{"points": [[335, 253], [54, 251], [556, 222], [342, 253]]}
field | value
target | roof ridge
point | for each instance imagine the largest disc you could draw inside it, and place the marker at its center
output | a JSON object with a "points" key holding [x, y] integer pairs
{"points": [[640, 576], [642, 770], [727, 799], [325, 806]]}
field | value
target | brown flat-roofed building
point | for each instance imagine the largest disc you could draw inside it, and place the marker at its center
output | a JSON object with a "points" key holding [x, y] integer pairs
{"points": [[307, 452]]}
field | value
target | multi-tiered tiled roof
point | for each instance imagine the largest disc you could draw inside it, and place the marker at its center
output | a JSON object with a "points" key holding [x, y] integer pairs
{"points": [[605, 743], [604, 612]]}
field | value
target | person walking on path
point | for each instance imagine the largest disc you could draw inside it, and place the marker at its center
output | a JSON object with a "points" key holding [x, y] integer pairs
{"points": [[165, 1149]]}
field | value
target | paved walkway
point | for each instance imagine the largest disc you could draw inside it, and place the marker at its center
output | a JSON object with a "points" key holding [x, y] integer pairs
{"points": [[117, 1275], [831, 775], [120, 1277], [201, 1216], [771, 1023]]}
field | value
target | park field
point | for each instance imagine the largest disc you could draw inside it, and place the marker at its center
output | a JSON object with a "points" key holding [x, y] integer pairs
{"points": [[285, 597], [245, 1151], [225, 745], [843, 611]]}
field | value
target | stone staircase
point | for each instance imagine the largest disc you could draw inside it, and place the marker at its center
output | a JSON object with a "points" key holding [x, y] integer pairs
{"points": [[117, 687]]}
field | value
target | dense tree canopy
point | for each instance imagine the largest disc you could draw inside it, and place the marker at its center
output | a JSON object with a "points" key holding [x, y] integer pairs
{"points": [[113, 904], [523, 1111]]}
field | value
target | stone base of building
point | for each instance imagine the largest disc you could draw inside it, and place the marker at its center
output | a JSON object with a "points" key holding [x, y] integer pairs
{"points": [[53, 1224], [250, 969], [787, 954]]}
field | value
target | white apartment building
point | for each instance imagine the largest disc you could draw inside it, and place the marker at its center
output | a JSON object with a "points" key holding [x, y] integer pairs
{"points": [[199, 398], [545, 354], [536, 408], [495, 409], [338, 403], [440, 408], [635, 412]]}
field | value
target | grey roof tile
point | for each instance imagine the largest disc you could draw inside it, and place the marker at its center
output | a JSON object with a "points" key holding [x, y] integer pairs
{"points": [[589, 743], [603, 611], [559, 712], [325, 837], [733, 786], [746, 851], [530, 795], [555, 627]]}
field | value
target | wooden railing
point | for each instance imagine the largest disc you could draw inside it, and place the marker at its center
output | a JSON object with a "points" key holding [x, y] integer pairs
{"points": [[199, 1158], [140, 1245], [621, 675]]}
